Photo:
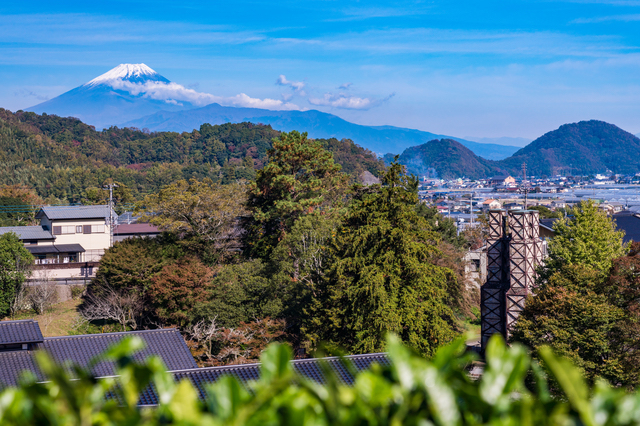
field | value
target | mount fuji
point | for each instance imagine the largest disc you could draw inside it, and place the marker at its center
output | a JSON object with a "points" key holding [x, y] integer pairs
{"points": [[126, 92], [134, 95]]}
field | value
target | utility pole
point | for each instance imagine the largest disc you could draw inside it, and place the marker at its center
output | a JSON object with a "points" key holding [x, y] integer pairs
{"points": [[111, 219], [524, 183]]}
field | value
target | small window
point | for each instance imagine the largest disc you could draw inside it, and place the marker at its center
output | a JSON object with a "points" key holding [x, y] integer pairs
{"points": [[57, 230], [86, 229], [70, 229], [79, 229], [97, 229]]}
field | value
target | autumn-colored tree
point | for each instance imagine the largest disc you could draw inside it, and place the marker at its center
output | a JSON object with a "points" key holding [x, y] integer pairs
{"points": [[299, 178], [18, 205], [119, 290], [26, 194], [130, 264], [178, 288], [203, 214], [382, 277]]}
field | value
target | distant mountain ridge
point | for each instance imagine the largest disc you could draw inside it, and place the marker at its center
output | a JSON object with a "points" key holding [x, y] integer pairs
{"points": [[380, 139], [134, 95], [582, 148], [579, 148], [503, 140]]}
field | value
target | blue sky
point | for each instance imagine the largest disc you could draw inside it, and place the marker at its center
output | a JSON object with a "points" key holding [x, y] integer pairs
{"points": [[464, 68]]}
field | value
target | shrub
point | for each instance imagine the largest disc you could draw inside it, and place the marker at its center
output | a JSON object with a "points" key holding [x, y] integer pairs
{"points": [[412, 390], [77, 291]]}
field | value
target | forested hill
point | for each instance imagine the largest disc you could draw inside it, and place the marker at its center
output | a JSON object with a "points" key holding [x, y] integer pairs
{"points": [[582, 148], [579, 148], [62, 157], [445, 158]]}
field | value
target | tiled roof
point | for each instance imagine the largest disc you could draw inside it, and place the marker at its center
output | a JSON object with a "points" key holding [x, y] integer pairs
{"points": [[24, 331], [309, 368], [167, 343], [630, 223], [59, 248], [28, 232], [136, 229], [74, 212]]}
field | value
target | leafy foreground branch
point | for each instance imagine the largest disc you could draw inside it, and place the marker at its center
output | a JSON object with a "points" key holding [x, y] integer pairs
{"points": [[410, 391]]}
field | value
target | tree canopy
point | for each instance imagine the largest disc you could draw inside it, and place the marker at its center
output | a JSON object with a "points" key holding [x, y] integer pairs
{"points": [[15, 264], [201, 213], [381, 278], [588, 238], [300, 177]]}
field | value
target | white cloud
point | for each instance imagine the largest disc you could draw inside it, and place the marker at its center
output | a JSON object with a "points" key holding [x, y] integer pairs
{"points": [[297, 86], [345, 86], [341, 100], [174, 92]]}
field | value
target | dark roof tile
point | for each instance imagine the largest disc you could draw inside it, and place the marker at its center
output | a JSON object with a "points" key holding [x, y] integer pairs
{"points": [[168, 344], [24, 331]]}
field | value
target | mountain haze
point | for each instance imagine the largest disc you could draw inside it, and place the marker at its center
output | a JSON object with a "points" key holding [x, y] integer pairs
{"points": [[134, 95], [448, 158]]}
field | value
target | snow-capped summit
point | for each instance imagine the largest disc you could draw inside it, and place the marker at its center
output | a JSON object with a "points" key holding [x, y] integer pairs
{"points": [[124, 93], [133, 73]]}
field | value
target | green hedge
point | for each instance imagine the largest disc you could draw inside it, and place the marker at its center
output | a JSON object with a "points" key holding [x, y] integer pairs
{"points": [[412, 391]]}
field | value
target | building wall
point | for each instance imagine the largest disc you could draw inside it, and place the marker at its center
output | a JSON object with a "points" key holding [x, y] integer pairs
{"points": [[76, 271], [94, 243]]}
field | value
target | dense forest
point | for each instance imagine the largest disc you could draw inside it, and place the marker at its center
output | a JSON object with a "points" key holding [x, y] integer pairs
{"points": [[66, 160]]}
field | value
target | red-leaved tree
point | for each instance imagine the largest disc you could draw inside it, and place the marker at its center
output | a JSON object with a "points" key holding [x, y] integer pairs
{"points": [[178, 288]]}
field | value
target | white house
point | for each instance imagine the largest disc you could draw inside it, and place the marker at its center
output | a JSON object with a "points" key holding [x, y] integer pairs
{"points": [[69, 241]]}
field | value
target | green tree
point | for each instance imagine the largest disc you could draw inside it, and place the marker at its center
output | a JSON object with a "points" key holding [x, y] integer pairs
{"points": [[622, 289], [382, 278], [570, 314], [299, 178], [444, 226], [588, 238], [15, 264], [119, 290], [546, 212], [202, 214], [241, 292]]}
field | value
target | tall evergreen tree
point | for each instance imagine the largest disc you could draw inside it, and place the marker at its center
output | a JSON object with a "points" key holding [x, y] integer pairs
{"points": [[382, 278], [299, 178]]}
